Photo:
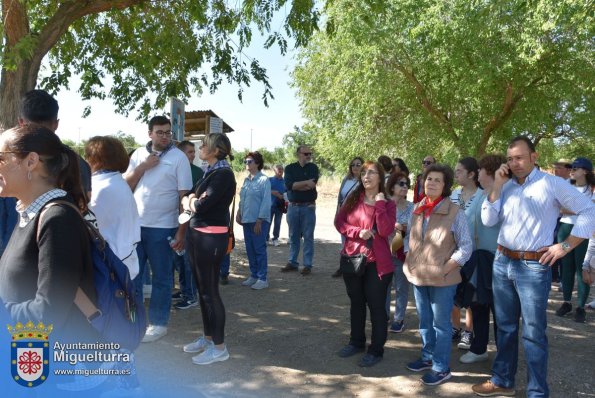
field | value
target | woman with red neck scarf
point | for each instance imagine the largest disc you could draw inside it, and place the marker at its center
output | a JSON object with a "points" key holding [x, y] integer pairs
{"points": [[437, 246]]}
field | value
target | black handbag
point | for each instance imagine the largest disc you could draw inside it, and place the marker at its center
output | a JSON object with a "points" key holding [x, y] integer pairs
{"points": [[355, 264]]}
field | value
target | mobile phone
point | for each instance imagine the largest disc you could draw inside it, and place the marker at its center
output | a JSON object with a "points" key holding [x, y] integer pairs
{"points": [[509, 173]]}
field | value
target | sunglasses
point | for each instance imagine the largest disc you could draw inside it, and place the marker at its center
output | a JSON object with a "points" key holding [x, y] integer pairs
{"points": [[356, 165], [368, 172], [248, 161], [426, 162], [307, 153], [403, 184]]}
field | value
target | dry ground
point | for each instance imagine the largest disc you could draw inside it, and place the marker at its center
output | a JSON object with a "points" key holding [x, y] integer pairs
{"points": [[283, 340]]}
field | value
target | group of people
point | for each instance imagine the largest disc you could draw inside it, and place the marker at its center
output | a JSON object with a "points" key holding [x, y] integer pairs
{"points": [[486, 246]]}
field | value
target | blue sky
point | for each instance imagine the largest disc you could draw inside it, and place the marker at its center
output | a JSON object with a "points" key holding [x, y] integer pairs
{"points": [[268, 125]]}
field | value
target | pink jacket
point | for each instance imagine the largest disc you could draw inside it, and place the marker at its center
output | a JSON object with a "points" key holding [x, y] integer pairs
{"points": [[362, 216]]}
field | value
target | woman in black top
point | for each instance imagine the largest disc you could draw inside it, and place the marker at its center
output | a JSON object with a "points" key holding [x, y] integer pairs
{"points": [[48, 257], [207, 241]]}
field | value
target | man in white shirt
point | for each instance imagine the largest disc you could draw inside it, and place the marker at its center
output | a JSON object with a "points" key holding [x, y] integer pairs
{"points": [[159, 175]]}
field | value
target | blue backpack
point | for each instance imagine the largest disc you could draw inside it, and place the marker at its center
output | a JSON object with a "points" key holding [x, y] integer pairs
{"points": [[118, 316]]}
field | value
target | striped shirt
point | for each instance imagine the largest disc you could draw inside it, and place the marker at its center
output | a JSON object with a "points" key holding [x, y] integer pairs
{"points": [[529, 211], [31, 211]]}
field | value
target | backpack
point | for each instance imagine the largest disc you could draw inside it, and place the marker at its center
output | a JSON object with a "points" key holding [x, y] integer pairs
{"points": [[118, 315]]}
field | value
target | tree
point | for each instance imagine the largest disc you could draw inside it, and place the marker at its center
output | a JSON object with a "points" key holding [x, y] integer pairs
{"points": [[144, 51], [452, 78]]}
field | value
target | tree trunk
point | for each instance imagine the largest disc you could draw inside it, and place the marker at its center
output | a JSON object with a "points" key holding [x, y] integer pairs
{"points": [[13, 85]]}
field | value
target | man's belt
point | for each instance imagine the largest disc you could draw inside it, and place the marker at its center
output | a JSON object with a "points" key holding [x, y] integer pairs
{"points": [[520, 255], [302, 203]]}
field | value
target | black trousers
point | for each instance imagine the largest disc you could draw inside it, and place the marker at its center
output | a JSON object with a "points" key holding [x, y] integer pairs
{"points": [[481, 327], [371, 290], [206, 253]]}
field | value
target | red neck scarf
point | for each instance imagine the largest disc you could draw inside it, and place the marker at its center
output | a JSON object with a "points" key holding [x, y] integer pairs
{"points": [[428, 207]]}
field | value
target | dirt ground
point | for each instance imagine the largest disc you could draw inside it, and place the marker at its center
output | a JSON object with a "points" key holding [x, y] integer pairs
{"points": [[283, 341]]}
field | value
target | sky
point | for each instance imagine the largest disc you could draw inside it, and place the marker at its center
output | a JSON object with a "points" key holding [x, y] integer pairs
{"points": [[250, 118]]}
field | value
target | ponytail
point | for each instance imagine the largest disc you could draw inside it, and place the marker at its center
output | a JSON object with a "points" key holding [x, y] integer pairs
{"points": [[69, 178]]}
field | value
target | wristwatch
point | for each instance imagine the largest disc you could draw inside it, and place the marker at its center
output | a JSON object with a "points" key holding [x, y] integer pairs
{"points": [[565, 246]]}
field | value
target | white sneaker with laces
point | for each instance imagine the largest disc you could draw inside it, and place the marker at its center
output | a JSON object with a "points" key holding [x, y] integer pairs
{"points": [[154, 332], [249, 282], [470, 357], [211, 355], [198, 345], [260, 284], [276, 242]]}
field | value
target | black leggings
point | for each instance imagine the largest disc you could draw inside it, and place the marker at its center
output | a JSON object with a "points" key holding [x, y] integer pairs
{"points": [[206, 253]]}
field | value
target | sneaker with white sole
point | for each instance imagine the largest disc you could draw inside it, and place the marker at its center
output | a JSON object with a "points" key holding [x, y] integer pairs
{"points": [[250, 281], [154, 332], [211, 355], [260, 284], [466, 340], [470, 357], [198, 345], [276, 242], [185, 304]]}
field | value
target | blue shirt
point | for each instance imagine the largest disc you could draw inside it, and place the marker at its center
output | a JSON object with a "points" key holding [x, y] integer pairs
{"points": [[255, 199], [484, 237], [277, 184], [528, 212]]}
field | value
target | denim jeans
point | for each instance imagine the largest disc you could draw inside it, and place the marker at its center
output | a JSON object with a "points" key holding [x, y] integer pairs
{"points": [[521, 288], [185, 278], [401, 286], [224, 270], [276, 217], [434, 305], [256, 250], [154, 247], [301, 221]]}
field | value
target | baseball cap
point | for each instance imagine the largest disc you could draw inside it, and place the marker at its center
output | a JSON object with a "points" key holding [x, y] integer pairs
{"points": [[583, 163]]}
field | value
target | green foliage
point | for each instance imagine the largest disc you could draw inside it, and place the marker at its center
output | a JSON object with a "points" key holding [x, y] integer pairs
{"points": [[450, 78], [141, 53]]}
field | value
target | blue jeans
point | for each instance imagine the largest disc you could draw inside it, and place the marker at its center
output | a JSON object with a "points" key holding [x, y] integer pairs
{"points": [[521, 288], [276, 217], [185, 277], [401, 286], [301, 221], [154, 247], [434, 305], [224, 268], [256, 250]]}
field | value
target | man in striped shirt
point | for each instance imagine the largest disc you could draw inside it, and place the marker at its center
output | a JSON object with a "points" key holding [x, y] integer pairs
{"points": [[528, 202]]}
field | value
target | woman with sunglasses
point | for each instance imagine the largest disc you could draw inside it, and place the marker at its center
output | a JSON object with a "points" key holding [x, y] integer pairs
{"points": [[397, 187], [348, 185], [367, 219], [254, 212], [582, 177]]}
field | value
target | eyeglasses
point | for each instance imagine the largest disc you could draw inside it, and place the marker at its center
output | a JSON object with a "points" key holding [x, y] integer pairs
{"points": [[163, 133], [306, 153], [248, 161], [426, 162], [356, 165], [368, 172], [403, 184]]}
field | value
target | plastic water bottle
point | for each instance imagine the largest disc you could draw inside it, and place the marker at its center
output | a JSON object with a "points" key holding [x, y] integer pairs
{"points": [[172, 242]]}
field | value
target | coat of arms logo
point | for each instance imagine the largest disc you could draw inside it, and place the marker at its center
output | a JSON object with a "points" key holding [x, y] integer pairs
{"points": [[30, 353]]}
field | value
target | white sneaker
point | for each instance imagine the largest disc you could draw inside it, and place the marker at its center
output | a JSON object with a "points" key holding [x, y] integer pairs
{"points": [[249, 282], [198, 345], [591, 305], [211, 355], [154, 332], [470, 357], [276, 242], [259, 285]]}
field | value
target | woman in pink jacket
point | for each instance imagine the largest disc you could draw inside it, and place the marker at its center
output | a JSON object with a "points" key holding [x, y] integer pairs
{"points": [[366, 216]]}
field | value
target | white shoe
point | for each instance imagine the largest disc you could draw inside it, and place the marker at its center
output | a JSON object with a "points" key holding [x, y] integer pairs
{"points": [[276, 242], [591, 305], [198, 345], [259, 285], [211, 355], [249, 282], [154, 332], [470, 357]]}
